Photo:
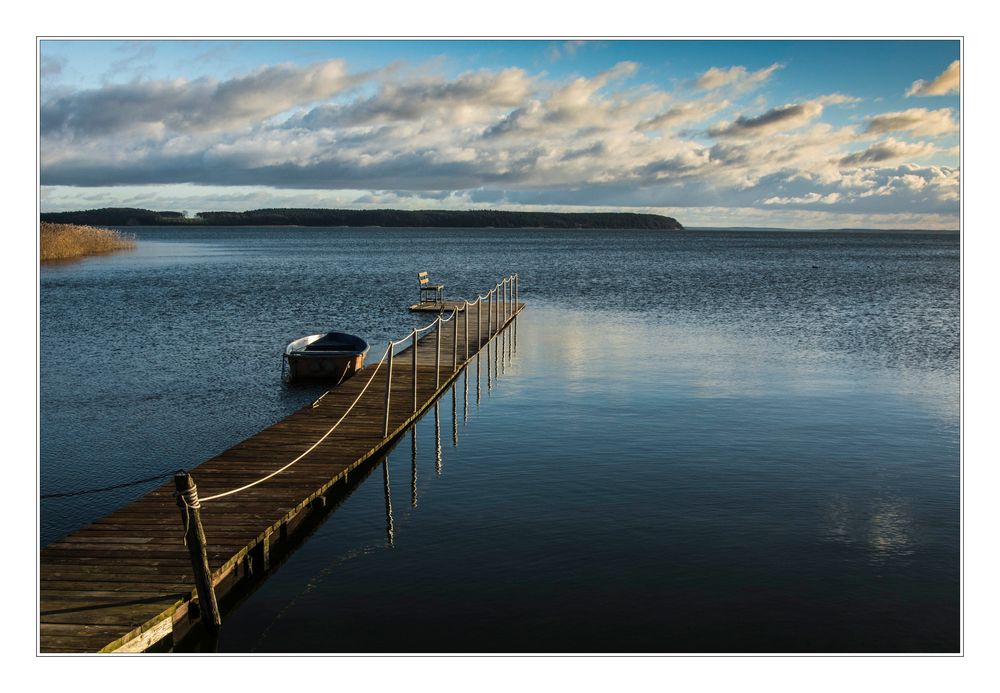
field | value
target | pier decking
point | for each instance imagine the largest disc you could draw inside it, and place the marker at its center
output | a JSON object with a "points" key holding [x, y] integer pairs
{"points": [[125, 582], [445, 306]]}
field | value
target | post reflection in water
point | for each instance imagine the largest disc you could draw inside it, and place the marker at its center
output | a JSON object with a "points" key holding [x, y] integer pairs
{"points": [[503, 351], [437, 437], [465, 417], [454, 417], [389, 531], [479, 378], [489, 369], [413, 456]]}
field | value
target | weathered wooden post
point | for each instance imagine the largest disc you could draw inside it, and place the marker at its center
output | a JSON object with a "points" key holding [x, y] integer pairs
{"points": [[454, 341], [466, 312], [489, 317], [479, 325], [414, 339], [506, 301], [388, 390], [437, 357], [194, 539]]}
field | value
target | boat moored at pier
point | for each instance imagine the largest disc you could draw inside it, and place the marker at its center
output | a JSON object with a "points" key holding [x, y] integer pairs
{"points": [[331, 356]]}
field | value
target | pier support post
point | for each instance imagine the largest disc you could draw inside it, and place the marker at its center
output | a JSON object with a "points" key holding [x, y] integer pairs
{"points": [[194, 538], [414, 339], [479, 326], [506, 301], [437, 356], [388, 390], [454, 342], [466, 312], [489, 316]]}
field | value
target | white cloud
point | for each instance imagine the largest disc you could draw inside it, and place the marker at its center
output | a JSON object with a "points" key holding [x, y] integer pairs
{"points": [[809, 198], [737, 76], [889, 150], [203, 104], [785, 117], [683, 113], [948, 82], [918, 121]]}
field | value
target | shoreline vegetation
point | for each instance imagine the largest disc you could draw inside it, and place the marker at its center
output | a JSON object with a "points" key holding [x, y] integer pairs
{"points": [[484, 218], [71, 241]]}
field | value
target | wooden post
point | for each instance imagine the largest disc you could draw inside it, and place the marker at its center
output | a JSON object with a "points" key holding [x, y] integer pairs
{"points": [[513, 303], [466, 311], [388, 390], [437, 357], [479, 326], [454, 342], [504, 288], [489, 317], [194, 537], [506, 302], [414, 339]]}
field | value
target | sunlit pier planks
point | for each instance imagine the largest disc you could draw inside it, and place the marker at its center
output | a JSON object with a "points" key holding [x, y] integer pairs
{"points": [[125, 582], [445, 306]]}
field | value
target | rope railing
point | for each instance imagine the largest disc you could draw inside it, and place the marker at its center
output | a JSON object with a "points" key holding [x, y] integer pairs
{"points": [[387, 355], [313, 446]]}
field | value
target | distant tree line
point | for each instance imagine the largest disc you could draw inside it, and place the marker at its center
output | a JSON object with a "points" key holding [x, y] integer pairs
{"points": [[477, 218]]}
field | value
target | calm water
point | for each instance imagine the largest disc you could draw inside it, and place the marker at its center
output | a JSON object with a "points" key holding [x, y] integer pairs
{"points": [[706, 441]]}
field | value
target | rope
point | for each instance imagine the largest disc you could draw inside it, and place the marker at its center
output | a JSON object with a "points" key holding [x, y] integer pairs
{"points": [[67, 494], [188, 499], [326, 435], [313, 446]]}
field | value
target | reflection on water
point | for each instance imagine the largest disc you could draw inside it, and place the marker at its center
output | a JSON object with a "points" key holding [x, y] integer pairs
{"points": [[413, 477], [389, 530], [437, 437], [882, 526]]}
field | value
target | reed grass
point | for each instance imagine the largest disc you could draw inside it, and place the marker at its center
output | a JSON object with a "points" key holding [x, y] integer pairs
{"points": [[68, 241]]}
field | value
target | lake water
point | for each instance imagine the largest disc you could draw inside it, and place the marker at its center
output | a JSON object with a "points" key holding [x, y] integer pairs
{"points": [[706, 441]]}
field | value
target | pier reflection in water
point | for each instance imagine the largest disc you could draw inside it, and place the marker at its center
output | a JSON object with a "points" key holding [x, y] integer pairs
{"points": [[390, 532], [413, 457], [204, 642]]}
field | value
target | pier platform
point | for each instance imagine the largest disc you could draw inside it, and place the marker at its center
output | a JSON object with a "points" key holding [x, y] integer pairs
{"points": [[125, 583]]}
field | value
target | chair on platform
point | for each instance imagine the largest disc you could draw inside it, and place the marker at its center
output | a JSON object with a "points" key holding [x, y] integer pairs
{"points": [[425, 286]]}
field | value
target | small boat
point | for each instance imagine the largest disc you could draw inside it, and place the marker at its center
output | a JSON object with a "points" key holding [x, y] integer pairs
{"points": [[332, 356]]}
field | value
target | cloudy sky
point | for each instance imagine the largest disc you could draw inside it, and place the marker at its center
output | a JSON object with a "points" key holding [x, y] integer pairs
{"points": [[805, 134]]}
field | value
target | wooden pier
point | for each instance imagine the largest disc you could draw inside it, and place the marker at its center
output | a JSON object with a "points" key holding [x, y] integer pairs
{"points": [[125, 583]]}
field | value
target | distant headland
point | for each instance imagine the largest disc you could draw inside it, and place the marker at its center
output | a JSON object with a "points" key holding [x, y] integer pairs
{"points": [[475, 218]]}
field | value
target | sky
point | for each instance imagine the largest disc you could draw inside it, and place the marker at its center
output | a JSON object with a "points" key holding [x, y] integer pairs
{"points": [[795, 134]]}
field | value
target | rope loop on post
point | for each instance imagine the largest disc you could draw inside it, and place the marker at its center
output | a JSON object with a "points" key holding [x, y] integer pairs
{"points": [[188, 499]]}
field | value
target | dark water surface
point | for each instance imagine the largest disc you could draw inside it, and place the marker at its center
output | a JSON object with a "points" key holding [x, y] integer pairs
{"points": [[706, 441]]}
